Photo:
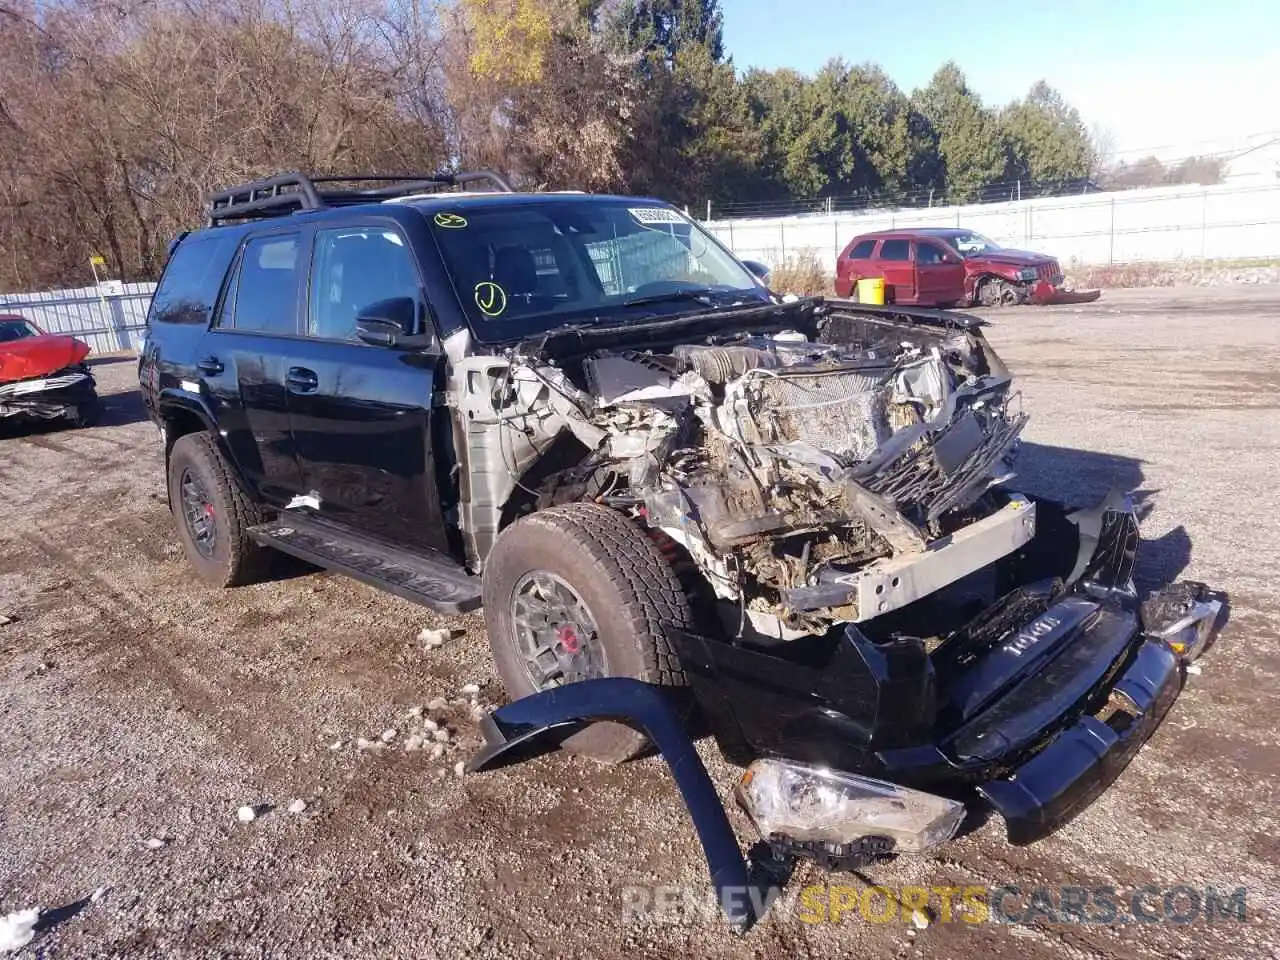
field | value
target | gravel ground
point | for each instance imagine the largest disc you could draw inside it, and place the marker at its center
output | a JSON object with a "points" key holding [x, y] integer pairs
{"points": [[141, 710]]}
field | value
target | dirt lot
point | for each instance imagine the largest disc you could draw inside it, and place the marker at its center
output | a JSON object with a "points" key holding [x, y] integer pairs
{"points": [[138, 705]]}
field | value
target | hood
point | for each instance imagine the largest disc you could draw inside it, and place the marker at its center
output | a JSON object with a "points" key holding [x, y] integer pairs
{"points": [[37, 356], [1013, 258]]}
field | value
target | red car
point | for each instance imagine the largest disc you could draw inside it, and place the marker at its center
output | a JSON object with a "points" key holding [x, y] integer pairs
{"points": [[949, 266], [44, 376]]}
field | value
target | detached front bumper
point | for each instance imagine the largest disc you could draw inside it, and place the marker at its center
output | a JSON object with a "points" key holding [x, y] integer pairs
{"points": [[1044, 293]]}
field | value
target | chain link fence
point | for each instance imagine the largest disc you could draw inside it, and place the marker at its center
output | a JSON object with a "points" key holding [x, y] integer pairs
{"points": [[1225, 222]]}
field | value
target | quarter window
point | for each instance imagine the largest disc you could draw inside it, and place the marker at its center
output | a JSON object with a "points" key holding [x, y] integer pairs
{"points": [[192, 279], [351, 268]]}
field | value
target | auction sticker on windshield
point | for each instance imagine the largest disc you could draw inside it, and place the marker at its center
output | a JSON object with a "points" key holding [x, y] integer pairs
{"points": [[648, 215], [450, 221]]}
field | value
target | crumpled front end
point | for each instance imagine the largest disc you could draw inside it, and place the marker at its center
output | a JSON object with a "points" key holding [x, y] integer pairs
{"points": [[812, 477], [67, 393], [1037, 701]]}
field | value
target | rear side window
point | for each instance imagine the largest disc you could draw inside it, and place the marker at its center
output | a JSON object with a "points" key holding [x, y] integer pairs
{"points": [[264, 297], [189, 287], [862, 250], [895, 250]]}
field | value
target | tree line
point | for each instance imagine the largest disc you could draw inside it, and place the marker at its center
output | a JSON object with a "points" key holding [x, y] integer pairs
{"points": [[117, 117]]}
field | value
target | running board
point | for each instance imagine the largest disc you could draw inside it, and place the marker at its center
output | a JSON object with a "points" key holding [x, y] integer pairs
{"points": [[429, 578]]}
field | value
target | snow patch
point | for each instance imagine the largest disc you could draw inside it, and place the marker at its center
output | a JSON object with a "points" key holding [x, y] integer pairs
{"points": [[17, 929]]}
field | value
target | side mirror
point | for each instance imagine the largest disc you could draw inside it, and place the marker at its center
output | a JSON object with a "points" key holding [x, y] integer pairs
{"points": [[758, 270], [392, 323]]}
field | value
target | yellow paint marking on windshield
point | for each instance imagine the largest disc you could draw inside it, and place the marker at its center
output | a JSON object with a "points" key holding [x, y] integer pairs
{"points": [[490, 298], [450, 221]]}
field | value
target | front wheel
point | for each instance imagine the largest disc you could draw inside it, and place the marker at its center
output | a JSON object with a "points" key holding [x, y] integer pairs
{"points": [[213, 514], [578, 592], [995, 292]]}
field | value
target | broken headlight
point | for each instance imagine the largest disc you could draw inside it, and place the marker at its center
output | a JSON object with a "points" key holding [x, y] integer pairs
{"points": [[804, 803], [1188, 635]]}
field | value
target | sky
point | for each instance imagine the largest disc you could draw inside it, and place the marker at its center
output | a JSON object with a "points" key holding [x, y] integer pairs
{"points": [[1172, 78]]}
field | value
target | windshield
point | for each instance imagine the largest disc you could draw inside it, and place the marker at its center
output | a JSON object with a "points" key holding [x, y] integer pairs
{"points": [[521, 269], [967, 244], [15, 328]]}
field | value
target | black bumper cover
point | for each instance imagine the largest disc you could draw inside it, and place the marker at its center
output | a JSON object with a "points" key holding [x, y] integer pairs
{"points": [[1084, 759]]}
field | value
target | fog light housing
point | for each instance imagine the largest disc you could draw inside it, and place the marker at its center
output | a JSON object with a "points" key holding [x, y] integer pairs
{"points": [[805, 803], [1188, 636]]}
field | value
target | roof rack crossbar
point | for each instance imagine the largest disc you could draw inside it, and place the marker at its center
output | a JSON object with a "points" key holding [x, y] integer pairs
{"points": [[292, 192]]}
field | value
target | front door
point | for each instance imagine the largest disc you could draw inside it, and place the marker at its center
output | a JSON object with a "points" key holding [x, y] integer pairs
{"points": [[894, 260], [242, 362], [361, 415], [939, 275]]}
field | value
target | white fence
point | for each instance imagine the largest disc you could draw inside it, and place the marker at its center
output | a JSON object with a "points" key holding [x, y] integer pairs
{"points": [[108, 317], [1163, 223]]}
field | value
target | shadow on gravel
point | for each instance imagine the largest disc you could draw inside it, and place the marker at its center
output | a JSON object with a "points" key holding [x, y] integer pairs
{"points": [[56, 915], [118, 410]]}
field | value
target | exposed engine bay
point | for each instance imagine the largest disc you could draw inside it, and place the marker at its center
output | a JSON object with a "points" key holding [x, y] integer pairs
{"points": [[824, 467]]}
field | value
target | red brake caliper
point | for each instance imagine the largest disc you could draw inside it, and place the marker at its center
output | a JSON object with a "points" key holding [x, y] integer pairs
{"points": [[567, 637]]}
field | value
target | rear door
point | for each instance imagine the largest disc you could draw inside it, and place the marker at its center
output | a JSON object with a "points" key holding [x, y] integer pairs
{"points": [[939, 274], [361, 415], [894, 262], [243, 358]]}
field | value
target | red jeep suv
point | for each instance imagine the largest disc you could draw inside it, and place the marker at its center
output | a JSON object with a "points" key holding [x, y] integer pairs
{"points": [[936, 266]]}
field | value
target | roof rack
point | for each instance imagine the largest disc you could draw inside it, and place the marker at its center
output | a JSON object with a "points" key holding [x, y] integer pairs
{"points": [[292, 192]]}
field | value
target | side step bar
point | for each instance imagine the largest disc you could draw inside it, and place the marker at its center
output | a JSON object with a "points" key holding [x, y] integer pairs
{"points": [[429, 578]]}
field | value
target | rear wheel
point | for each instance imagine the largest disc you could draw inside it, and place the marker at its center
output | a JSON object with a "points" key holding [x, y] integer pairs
{"points": [[212, 513], [579, 592]]}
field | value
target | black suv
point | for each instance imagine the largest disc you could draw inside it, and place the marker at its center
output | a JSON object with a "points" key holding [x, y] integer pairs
{"points": [[583, 413]]}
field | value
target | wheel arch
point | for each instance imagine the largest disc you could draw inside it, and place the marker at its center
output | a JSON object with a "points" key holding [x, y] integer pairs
{"points": [[182, 414]]}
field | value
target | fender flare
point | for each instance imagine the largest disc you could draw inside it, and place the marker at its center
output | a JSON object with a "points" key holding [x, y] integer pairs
{"points": [[511, 734], [170, 399]]}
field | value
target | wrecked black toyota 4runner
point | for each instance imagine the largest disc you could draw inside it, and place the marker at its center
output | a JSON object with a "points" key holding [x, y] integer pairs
{"points": [[584, 414]]}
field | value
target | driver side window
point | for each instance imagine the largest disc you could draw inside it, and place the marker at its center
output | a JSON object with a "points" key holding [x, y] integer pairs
{"points": [[929, 253], [352, 267]]}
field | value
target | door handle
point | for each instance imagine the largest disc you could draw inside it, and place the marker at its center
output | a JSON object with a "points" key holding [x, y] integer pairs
{"points": [[210, 365], [301, 380]]}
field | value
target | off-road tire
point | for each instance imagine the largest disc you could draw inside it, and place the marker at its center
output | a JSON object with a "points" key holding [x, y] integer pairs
{"points": [[629, 588], [236, 559]]}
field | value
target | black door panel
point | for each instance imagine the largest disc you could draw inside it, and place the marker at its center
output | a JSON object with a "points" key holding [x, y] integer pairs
{"points": [[362, 434], [361, 415], [251, 407], [244, 358]]}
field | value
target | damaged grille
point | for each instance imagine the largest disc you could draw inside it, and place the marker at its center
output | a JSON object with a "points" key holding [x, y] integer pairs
{"points": [[841, 412], [941, 470]]}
